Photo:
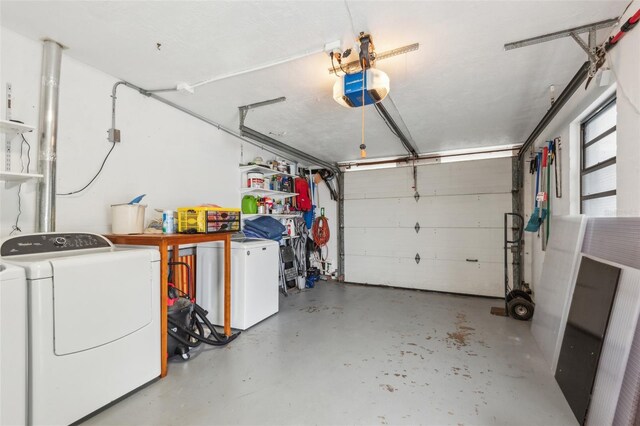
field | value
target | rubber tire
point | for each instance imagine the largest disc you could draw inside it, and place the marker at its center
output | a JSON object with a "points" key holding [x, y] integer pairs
{"points": [[520, 309], [518, 293]]}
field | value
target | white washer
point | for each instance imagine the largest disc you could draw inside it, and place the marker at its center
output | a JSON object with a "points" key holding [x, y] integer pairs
{"points": [[254, 281], [13, 345], [94, 321]]}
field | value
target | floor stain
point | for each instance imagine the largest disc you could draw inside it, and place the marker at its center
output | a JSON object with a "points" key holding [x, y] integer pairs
{"points": [[388, 388], [458, 338]]}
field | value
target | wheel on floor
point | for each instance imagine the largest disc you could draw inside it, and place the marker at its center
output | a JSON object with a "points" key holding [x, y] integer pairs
{"points": [[520, 309], [518, 293]]}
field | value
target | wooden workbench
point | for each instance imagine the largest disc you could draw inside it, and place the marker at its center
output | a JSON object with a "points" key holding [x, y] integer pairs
{"points": [[163, 242]]}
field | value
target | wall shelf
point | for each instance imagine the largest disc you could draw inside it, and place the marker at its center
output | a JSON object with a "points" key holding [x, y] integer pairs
{"points": [[278, 195], [12, 128], [266, 171], [11, 179], [276, 215]]}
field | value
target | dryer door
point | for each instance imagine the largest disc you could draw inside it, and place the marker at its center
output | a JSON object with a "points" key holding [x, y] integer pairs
{"points": [[99, 298]]}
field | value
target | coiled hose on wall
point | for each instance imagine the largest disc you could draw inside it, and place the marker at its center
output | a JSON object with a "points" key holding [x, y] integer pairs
{"points": [[320, 231]]}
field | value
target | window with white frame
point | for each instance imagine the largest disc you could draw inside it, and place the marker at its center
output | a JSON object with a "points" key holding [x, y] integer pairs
{"points": [[598, 163]]}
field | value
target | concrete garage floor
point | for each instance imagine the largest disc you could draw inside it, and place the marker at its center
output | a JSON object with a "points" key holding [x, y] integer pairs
{"points": [[347, 354]]}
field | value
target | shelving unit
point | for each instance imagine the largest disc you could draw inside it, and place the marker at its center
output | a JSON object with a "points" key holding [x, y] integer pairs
{"points": [[11, 179], [264, 170], [278, 195], [276, 215], [13, 128]]}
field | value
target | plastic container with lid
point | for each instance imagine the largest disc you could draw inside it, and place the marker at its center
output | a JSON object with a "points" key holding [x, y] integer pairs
{"points": [[127, 218]]}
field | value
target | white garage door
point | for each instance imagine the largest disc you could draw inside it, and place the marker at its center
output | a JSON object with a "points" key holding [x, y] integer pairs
{"points": [[460, 217]]}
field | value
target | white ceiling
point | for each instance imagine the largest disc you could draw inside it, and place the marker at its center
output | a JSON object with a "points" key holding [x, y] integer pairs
{"points": [[459, 90]]}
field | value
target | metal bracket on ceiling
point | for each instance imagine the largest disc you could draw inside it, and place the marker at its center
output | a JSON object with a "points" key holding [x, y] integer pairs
{"points": [[417, 258], [417, 227], [244, 110], [354, 66], [563, 33], [595, 57], [591, 50]]}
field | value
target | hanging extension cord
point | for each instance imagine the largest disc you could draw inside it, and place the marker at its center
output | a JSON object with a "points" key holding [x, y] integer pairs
{"points": [[113, 145], [16, 227]]}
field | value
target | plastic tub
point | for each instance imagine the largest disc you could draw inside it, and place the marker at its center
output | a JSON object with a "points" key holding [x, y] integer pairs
{"points": [[255, 180], [127, 218]]}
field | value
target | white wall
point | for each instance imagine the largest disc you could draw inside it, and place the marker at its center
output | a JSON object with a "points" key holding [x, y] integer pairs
{"points": [[173, 158], [626, 64]]}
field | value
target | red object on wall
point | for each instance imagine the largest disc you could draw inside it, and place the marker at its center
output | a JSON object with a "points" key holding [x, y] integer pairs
{"points": [[303, 199]]}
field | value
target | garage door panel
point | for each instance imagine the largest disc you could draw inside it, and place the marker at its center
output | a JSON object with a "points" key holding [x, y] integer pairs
{"points": [[374, 213], [375, 270], [354, 241], [460, 213], [483, 244], [464, 211], [380, 213], [436, 275], [468, 237], [484, 279], [384, 183], [386, 242], [475, 177]]}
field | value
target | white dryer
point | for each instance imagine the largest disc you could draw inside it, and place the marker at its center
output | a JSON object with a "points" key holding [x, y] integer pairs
{"points": [[94, 321], [13, 345]]}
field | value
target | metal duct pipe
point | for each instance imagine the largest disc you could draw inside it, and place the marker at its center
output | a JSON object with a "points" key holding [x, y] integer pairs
{"points": [[48, 134], [566, 94], [151, 94]]}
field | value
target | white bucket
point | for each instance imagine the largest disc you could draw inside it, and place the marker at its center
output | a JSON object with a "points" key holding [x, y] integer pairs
{"points": [[255, 180], [127, 218]]}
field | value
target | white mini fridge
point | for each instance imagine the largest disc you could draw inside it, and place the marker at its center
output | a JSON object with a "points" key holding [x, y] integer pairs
{"points": [[254, 281]]}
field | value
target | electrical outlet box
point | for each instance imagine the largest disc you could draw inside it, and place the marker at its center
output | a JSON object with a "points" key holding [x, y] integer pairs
{"points": [[114, 135]]}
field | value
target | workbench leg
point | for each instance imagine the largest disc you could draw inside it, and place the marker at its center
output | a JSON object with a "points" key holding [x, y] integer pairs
{"points": [[176, 269], [227, 285], [164, 288]]}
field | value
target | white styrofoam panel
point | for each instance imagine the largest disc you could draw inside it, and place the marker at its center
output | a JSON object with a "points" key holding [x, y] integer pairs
{"points": [[430, 274], [381, 183], [615, 239], [629, 401], [555, 289], [466, 177], [464, 211], [616, 348]]}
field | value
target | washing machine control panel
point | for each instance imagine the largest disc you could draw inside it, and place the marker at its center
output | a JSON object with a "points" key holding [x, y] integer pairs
{"points": [[52, 243]]}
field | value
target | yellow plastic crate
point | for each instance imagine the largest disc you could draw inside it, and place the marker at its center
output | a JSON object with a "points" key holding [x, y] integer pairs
{"points": [[207, 220]]}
